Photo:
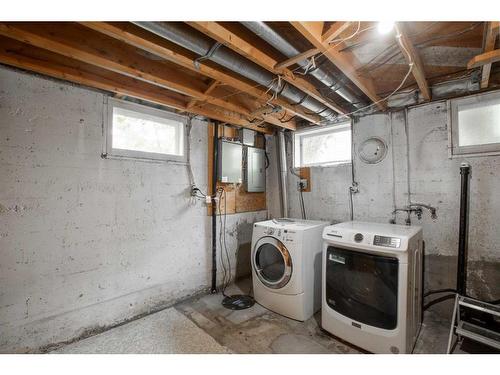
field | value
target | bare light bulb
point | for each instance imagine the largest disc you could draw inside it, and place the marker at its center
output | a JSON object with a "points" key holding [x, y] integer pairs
{"points": [[384, 27]]}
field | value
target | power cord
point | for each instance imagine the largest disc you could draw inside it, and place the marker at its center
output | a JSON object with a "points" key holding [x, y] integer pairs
{"points": [[226, 263]]}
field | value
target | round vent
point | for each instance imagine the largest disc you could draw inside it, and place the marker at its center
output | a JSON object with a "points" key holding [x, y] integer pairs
{"points": [[358, 237], [373, 150]]}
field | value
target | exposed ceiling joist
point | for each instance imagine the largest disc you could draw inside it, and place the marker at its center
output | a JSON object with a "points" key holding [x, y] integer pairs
{"points": [[313, 32], [120, 61], [334, 31], [221, 34], [151, 43], [412, 57], [491, 32], [293, 60], [123, 86], [210, 88]]}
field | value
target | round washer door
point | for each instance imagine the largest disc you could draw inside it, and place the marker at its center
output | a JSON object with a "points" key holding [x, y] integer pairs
{"points": [[272, 262]]}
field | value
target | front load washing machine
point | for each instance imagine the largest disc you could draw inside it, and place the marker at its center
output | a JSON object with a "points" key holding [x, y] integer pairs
{"points": [[286, 266], [372, 285]]}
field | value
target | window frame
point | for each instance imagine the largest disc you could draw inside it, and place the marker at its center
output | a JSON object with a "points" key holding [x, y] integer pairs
{"points": [[457, 151], [301, 134], [117, 153]]}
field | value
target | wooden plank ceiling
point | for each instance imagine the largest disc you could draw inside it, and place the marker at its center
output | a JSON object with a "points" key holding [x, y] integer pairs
{"points": [[124, 59]]}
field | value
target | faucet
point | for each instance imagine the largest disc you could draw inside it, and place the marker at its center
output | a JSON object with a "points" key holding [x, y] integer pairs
{"points": [[426, 206], [416, 208]]}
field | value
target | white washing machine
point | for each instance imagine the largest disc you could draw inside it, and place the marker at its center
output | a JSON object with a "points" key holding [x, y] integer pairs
{"points": [[286, 266], [372, 285]]}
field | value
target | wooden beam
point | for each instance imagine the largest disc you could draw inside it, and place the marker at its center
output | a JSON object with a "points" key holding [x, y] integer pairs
{"points": [[412, 56], [491, 32], [484, 58], [221, 34], [334, 31], [293, 60], [346, 62], [210, 88], [116, 59], [158, 46], [120, 85]]}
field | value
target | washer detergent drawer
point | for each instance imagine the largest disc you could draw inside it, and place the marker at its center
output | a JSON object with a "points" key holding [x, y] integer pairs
{"points": [[363, 287]]}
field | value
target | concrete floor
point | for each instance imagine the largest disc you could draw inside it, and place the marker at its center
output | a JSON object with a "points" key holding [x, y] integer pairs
{"points": [[203, 325], [258, 330]]}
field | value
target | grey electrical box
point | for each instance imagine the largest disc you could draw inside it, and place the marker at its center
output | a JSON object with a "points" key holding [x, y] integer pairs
{"points": [[230, 162], [255, 170], [247, 137]]}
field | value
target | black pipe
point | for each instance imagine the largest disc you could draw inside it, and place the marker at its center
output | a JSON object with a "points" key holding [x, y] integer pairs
{"points": [[215, 172], [463, 232]]}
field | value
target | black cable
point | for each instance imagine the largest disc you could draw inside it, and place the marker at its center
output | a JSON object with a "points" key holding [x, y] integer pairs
{"points": [[302, 205], [430, 292], [438, 300], [220, 190], [226, 268]]}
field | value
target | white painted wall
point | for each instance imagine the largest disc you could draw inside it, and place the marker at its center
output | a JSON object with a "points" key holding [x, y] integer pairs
{"points": [[87, 242], [435, 179]]}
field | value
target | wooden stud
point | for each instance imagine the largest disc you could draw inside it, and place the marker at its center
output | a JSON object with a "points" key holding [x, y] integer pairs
{"points": [[135, 66], [121, 85], [346, 62], [491, 32], [334, 31], [156, 45], [484, 58], [293, 60], [412, 56], [221, 34]]}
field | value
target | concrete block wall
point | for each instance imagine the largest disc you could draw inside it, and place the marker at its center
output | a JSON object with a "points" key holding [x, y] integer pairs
{"points": [[86, 242], [434, 179]]}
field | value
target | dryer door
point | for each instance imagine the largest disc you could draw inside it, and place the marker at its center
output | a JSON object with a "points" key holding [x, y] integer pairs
{"points": [[272, 262]]}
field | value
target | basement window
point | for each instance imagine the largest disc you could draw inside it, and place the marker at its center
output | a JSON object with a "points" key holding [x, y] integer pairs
{"points": [[324, 146], [475, 125], [140, 132]]}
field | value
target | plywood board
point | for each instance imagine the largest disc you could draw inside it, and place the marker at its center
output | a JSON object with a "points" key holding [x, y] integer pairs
{"points": [[305, 174]]}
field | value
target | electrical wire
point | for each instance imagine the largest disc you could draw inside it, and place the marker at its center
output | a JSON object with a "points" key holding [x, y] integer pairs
{"points": [[225, 259], [340, 41], [369, 68]]}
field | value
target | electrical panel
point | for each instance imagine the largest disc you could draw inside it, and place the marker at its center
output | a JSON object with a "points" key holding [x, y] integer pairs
{"points": [[255, 170], [230, 162]]}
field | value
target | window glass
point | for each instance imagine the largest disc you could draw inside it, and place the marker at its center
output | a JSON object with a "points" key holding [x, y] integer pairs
{"points": [[479, 124], [140, 132], [475, 124], [323, 146], [137, 131]]}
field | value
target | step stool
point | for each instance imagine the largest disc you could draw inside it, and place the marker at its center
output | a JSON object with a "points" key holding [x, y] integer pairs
{"points": [[462, 328]]}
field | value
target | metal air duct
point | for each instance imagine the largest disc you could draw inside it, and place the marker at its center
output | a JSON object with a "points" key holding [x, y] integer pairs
{"points": [[274, 39], [198, 43]]}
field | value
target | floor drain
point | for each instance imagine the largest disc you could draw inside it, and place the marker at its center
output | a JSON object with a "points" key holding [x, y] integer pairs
{"points": [[238, 302]]}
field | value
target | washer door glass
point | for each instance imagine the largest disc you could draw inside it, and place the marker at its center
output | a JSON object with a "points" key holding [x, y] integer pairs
{"points": [[272, 263]]}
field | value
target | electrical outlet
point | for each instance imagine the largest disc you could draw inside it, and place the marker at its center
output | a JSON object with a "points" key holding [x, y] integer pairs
{"points": [[302, 184]]}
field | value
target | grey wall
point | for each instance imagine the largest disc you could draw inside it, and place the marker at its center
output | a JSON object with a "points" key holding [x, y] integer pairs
{"points": [[86, 242], [434, 179]]}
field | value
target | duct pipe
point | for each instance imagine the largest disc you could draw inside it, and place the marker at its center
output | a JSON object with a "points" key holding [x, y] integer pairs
{"points": [[282, 171], [215, 175], [198, 43], [463, 231], [274, 39]]}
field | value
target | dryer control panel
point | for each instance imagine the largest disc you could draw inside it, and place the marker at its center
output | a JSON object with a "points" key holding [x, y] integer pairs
{"points": [[386, 241]]}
